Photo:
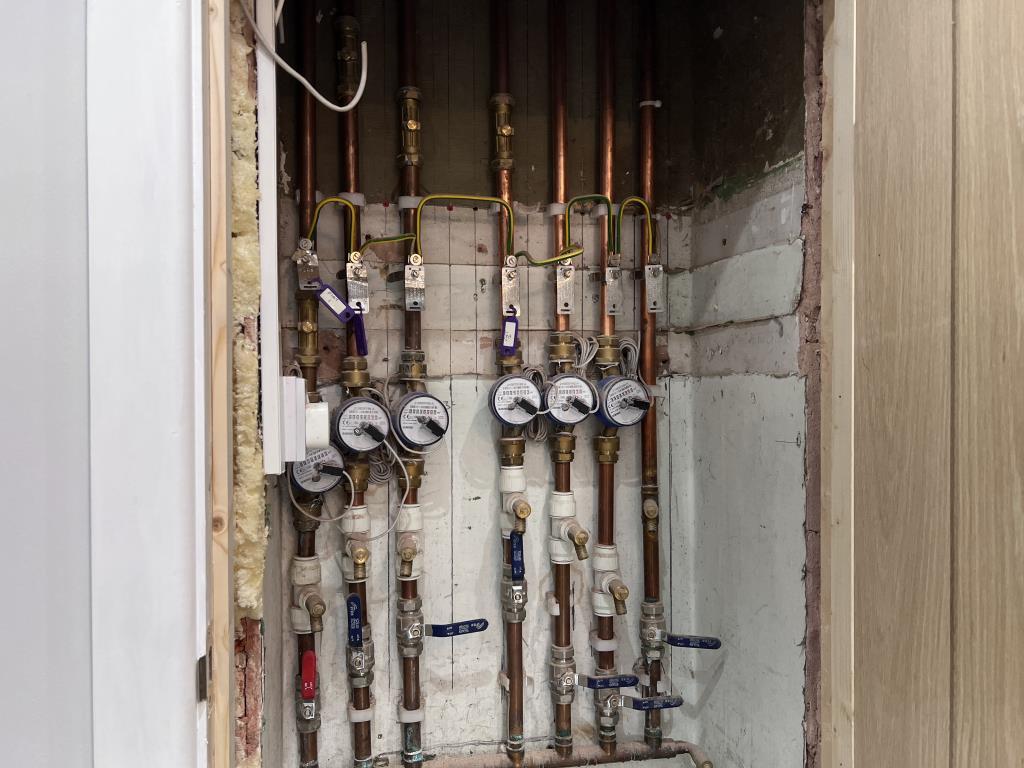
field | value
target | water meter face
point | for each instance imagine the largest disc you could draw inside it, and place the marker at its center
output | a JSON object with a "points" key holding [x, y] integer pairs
{"points": [[624, 401], [360, 424], [514, 400], [569, 399], [309, 475], [420, 420]]}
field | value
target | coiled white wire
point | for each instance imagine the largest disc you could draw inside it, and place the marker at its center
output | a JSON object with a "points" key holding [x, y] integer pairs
{"points": [[538, 428], [629, 353]]}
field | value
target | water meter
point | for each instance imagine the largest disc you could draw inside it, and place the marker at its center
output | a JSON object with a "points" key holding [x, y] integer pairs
{"points": [[320, 472], [514, 400], [623, 401], [420, 420], [360, 424], [569, 399]]}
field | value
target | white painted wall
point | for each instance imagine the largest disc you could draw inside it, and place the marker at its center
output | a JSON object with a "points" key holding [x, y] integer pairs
{"points": [[98, 412], [732, 466], [44, 390]]}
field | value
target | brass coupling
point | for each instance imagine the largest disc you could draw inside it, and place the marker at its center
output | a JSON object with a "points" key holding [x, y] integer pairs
{"points": [[512, 450], [414, 467], [651, 513], [413, 366], [607, 448], [501, 105], [561, 350], [359, 470], [409, 103], [608, 356], [563, 447], [307, 354], [348, 56], [355, 374], [510, 363]]}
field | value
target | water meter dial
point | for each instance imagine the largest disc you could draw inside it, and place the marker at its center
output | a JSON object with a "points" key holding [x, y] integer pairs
{"points": [[360, 424], [623, 401], [514, 400], [420, 420], [569, 399], [319, 472]]}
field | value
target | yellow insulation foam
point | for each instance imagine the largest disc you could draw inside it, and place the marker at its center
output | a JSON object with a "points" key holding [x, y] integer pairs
{"points": [[249, 491]]}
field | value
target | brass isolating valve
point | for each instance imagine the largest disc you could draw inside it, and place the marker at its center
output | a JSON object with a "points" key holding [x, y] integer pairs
{"points": [[407, 549], [575, 533], [360, 554], [620, 593], [521, 510], [316, 607]]}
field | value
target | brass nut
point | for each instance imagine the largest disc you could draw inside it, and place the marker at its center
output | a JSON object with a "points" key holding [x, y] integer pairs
{"points": [[607, 351], [307, 327], [414, 468], [360, 555], [607, 448], [563, 447], [359, 471], [512, 450], [522, 509], [408, 554]]}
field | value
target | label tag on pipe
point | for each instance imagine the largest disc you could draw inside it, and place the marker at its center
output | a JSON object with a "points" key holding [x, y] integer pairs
{"points": [[515, 540], [334, 303], [359, 331], [509, 334], [355, 621]]}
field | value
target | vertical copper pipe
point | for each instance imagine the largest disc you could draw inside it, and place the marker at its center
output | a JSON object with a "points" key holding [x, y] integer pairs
{"points": [[410, 172], [557, 42], [308, 340], [649, 426], [306, 544], [606, 536], [349, 45], [606, 138]]}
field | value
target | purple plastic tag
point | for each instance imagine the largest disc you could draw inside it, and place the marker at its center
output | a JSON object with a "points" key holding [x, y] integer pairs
{"points": [[360, 333], [509, 334], [333, 302]]}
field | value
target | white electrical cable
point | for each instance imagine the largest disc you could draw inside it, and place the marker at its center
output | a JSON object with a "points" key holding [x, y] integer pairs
{"points": [[278, 11], [537, 430], [320, 502], [405, 495], [269, 48], [629, 352], [586, 351]]}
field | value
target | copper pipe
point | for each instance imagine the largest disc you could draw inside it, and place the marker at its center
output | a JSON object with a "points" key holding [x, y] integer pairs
{"points": [[557, 42], [349, 82], [307, 339], [562, 636], [589, 755], [606, 138], [649, 426], [308, 352]]}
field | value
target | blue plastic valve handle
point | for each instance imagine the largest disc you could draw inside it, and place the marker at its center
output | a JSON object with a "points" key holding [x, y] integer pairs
{"points": [[608, 681], [515, 540], [653, 702], [355, 621], [694, 641], [456, 629]]}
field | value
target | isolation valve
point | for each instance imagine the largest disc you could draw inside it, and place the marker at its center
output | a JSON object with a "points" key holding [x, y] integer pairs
{"points": [[653, 633], [411, 629], [616, 701], [623, 401], [307, 699], [360, 645]]}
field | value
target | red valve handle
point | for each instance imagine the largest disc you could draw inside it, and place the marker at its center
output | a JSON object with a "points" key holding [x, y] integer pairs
{"points": [[309, 675]]}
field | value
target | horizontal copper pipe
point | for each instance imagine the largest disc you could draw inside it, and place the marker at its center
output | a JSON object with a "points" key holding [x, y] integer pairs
{"points": [[588, 755]]}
